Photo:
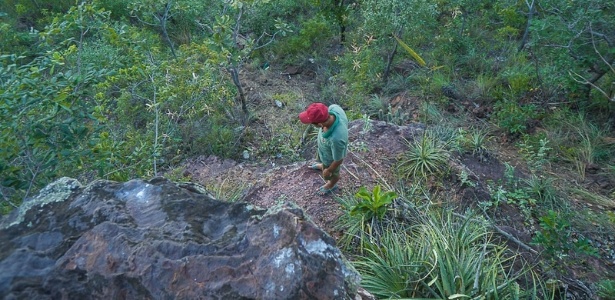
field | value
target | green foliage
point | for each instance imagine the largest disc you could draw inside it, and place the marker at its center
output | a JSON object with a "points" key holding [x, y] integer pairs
{"points": [[71, 28], [572, 32], [535, 153], [465, 179], [372, 204], [518, 76], [372, 46], [448, 136], [544, 191], [356, 227], [362, 67], [511, 192], [514, 117], [441, 257], [391, 270], [394, 116], [579, 141], [313, 35], [364, 216], [606, 289], [475, 141], [292, 12], [34, 13], [177, 21], [335, 11], [45, 127], [14, 41], [556, 237], [424, 157]]}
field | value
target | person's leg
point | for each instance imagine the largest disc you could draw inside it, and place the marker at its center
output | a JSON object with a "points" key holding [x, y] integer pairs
{"points": [[330, 184], [332, 181], [318, 166]]}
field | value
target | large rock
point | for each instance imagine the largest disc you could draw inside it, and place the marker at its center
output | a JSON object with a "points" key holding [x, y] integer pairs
{"points": [[161, 240]]}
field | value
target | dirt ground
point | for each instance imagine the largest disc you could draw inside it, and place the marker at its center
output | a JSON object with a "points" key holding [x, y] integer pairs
{"points": [[369, 162]]}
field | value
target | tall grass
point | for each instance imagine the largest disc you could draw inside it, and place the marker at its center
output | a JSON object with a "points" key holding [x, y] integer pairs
{"points": [[580, 142], [356, 227], [441, 257]]}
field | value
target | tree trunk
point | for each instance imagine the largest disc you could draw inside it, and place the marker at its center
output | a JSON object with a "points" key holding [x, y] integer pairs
{"points": [[163, 25], [527, 26], [242, 96], [391, 56]]}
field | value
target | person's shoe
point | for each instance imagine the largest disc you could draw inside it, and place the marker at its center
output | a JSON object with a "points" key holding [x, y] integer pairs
{"points": [[322, 191], [315, 167]]}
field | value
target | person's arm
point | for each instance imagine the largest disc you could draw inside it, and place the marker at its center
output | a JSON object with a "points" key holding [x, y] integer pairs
{"points": [[326, 173]]}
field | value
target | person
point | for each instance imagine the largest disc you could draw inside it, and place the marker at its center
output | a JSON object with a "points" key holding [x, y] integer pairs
{"points": [[332, 141]]}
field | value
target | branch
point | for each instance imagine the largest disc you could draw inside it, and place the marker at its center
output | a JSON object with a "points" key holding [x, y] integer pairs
{"points": [[582, 80], [267, 43], [598, 52], [502, 232], [237, 22]]}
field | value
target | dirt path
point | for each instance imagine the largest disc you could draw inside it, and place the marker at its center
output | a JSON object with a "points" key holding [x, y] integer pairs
{"points": [[369, 162]]}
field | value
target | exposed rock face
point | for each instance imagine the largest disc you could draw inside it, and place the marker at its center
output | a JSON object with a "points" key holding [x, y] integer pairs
{"points": [[160, 240]]}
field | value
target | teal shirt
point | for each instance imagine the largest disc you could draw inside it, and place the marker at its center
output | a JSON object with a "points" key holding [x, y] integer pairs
{"points": [[333, 144]]}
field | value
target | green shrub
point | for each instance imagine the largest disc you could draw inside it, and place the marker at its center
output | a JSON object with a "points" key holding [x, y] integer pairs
{"points": [[313, 34], [14, 41], [363, 216], [555, 236], [513, 117], [535, 152], [362, 68], [544, 191], [606, 289], [372, 204], [356, 227]]}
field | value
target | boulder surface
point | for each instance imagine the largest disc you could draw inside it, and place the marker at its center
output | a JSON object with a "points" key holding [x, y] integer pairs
{"points": [[158, 239]]}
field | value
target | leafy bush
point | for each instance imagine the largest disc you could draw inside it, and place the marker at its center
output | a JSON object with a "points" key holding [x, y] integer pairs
{"points": [[14, 41], [312, 35], [606, 289], [513, 117], [363, 216], [373, 204], [536, 153], [556, 238]]}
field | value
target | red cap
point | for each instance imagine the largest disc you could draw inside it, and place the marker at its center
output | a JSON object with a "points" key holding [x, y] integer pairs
{"points": [[315, 113]]}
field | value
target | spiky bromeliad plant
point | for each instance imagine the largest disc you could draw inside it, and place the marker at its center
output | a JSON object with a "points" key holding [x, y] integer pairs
{"points": [[441, 257], [424, 157]]}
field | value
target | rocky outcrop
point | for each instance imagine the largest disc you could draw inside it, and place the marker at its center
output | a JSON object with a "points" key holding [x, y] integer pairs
{"points": [[161, 240]]}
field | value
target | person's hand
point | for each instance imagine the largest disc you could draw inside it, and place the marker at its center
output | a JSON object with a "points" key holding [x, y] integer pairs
{"points": [[326, 173]]}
